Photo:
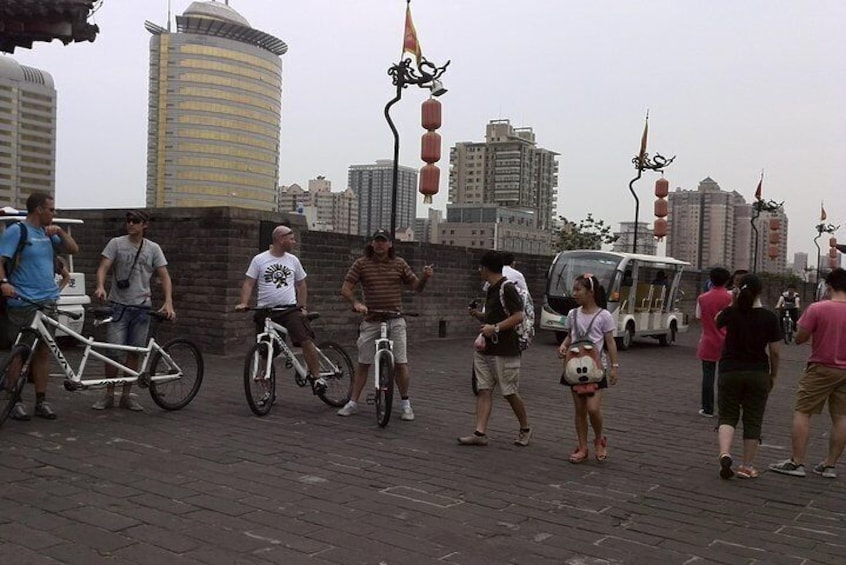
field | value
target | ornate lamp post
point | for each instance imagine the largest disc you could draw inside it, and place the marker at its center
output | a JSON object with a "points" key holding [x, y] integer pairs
{"points": [[643, 162], [403, 74], [761, 206], [822, 228]]}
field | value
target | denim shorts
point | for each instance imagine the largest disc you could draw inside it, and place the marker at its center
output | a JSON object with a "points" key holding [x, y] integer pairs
{"points": [[129, 326]]}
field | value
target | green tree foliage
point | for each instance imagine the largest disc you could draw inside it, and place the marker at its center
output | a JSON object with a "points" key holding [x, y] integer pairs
{"points": [[587, 234]]}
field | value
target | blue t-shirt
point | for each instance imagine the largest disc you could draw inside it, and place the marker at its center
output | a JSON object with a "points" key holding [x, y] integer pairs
{"points": [[33, 278]]}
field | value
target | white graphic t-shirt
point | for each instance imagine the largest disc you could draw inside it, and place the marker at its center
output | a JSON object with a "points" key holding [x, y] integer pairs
{"points": [[275, 278]]}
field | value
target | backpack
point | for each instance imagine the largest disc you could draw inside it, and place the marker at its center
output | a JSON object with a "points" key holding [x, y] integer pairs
{"points": [[11, 263], [582, 364], [525, 329]]}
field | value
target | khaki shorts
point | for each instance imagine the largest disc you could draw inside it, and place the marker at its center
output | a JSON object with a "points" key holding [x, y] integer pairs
{"points": [[496, 369], [369, 332], [818, 384], [20, 318]]}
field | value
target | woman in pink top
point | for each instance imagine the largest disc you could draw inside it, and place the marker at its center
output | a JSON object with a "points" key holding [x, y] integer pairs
{"points": [[708, 305]]}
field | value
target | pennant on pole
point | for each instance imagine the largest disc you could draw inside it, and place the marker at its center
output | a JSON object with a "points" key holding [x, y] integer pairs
{"points": [[643, 138], [758, 190], [410, 44], [823, 215]]}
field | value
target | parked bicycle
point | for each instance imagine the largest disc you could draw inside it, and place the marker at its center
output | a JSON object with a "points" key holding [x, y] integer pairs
{"points": [[788, 326], [384, 367], [333, 385], [173, 372]]}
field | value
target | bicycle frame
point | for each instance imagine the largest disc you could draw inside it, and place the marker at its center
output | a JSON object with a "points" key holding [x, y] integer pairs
{"points": [[39, 328], [384, 346], [276, 334]]}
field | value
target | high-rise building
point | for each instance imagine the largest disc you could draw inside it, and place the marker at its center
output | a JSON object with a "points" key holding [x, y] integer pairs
{"points": [[800, 264], [27, 132], [764, 263], [507, 169], [325, 210], [214, 111], [709, 227], [426, 229], [489, 226], [625, 239], [373, 185]]}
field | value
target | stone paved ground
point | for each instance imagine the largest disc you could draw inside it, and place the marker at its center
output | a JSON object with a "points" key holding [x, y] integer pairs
{"points": [[212, 484]]}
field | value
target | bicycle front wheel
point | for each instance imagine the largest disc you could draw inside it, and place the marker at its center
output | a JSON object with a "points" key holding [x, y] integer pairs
{"points": [[259, 383], [176, 381], [787, 327], [337, 370], [13, 375], [384, 390]]}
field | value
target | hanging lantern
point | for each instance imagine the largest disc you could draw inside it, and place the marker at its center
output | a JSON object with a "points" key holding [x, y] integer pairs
{"points": [[661, 208], [660, 228], [833, 262], [430, 147], [662, 187], [431, 114], [832, 253], [832, 242], [775, 238], [774, 224], [429, 177], [772, 253]]}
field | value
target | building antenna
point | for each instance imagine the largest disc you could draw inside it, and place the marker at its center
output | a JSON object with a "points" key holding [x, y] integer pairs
{"points": [[168, 16]]}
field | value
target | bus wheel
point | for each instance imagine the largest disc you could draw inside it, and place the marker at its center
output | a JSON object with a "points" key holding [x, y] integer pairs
{"points": [[668, 338], [625, 342]]}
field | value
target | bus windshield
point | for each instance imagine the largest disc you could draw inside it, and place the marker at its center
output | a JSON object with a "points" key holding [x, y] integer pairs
{"points": [[570, 264]]}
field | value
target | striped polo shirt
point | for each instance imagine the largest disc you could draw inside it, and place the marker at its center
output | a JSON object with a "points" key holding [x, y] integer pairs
{"points": [[381, 281]]}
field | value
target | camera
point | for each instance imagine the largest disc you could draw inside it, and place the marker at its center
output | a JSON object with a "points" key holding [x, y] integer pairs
{"points": [[123, 284], [473, 305]]}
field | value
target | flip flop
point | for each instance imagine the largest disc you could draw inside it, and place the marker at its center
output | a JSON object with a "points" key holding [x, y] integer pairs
{"points": [[578, 456], [601, 453]]}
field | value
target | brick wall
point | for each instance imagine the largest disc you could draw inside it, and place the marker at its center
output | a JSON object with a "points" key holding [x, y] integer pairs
{"points": [[208, 250]]}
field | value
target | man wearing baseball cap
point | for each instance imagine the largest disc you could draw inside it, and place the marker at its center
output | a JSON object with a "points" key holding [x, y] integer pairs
{"points": [[382, 276]]}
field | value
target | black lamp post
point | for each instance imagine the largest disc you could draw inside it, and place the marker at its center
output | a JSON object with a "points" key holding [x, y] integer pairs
{"points": [[643, 162], [761, 206], [426, 75]]}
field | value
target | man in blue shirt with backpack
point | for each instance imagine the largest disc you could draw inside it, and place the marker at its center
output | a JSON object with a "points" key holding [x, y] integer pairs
{"points": [[27, 268]]}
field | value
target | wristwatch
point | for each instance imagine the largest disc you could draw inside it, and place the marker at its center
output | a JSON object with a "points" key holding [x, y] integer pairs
{"points": [[496, 328], [4, 281]]}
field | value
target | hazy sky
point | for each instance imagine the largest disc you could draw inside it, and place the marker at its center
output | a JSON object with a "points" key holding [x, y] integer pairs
{"points": [[732, 88]]}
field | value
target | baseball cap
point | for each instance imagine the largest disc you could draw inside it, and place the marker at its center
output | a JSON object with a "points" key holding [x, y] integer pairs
{"points": [[381, 234], [138, 215]]}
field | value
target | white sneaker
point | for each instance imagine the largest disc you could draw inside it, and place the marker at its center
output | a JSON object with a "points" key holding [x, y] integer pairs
{"points": [[407, 414], [348, 409]]}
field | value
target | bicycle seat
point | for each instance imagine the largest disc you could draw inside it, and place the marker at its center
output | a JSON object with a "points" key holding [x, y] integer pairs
{"points": [[158, 315], [101, 312]]}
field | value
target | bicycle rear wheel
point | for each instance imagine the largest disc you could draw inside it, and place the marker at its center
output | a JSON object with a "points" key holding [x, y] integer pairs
{"points": [[259, 386], [186, 371], [337, 369], [385, 390], [13, 376], [787, 328]]}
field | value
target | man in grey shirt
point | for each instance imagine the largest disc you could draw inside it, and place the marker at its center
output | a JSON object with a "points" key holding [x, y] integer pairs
{"points": [[132, 259]]}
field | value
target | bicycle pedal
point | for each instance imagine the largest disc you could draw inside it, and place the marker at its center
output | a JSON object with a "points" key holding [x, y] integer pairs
{"points": [[72, 386], [143, 380]]}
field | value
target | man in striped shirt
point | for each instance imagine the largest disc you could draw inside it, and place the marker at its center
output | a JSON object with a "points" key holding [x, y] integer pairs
{"points": [[382, 276]]}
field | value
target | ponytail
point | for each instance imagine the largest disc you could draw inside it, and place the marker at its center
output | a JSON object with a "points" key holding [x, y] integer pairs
{"points": [[750, 289]]}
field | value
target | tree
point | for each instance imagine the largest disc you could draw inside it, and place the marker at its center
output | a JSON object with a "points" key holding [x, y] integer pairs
{"points": [[587, 234]]}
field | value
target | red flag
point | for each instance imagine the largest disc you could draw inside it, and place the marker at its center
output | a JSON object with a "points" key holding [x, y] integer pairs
{"points": [[758, 190], [410, 44], [823, 215]]}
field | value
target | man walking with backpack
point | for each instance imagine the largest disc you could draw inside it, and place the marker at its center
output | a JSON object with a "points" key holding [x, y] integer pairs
{"points": [[27, 270], [499, 362]]}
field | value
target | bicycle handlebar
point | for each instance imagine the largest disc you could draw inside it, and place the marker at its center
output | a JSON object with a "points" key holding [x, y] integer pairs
{"points": [[269, 309], [71, 315], [391, 313]]}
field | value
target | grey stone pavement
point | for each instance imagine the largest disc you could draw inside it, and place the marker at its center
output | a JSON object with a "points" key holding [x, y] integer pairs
{"points": [[213, 484]]}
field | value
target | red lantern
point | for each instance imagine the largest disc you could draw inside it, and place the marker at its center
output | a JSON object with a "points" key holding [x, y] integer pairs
{"points": [[832, 242], [429, 178], [430, 147], [774, 224], [661, 208], [773, 251], [660, 228], [833, 262], [832, 253], [662, 187], [431, 114], [774, 237]]}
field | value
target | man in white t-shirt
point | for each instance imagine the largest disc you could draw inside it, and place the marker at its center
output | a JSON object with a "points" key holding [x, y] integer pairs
{"points": [[512, 274], [281, 283]]}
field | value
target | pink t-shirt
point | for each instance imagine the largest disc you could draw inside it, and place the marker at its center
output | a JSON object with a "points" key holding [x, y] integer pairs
{"points": [[826, 320], [712, 338]]}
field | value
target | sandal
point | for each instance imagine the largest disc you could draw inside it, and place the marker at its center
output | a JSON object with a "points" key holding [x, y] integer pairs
{"points": [[601, 452], [578, 456], [746, 472]]}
